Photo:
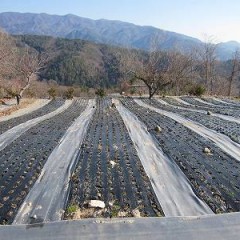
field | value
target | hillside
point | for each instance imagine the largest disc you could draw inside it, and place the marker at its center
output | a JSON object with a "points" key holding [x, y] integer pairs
{"points": [[76, 62]]}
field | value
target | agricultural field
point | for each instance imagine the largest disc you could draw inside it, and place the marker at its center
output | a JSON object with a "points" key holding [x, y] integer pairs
{"points": [[120, 157]]}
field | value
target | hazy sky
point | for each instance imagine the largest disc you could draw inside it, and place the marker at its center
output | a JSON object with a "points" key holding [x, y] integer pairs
{"points": [[220, 18]]}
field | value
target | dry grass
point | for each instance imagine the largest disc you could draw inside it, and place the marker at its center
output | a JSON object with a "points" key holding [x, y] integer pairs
{"points": [[83, 213], [74, 213], [23, 104]]}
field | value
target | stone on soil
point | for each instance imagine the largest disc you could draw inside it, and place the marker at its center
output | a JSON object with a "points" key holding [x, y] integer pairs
{"points": [[206, 150], [209, 113], [158, 129], [136, 213], [96, 204]]}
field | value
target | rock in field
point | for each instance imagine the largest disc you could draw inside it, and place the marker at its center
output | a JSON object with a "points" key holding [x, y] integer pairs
{"points": [[157, 129], [113, 163], [206, 150], [96, 204], [209, 113], [136, 213]]}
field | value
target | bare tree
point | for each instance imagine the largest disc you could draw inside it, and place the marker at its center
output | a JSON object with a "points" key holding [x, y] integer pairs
{"points": [[18, 63], [207, 56], [7, 45], [26, 64], [234, 70], [181, 70], [150, 67]]}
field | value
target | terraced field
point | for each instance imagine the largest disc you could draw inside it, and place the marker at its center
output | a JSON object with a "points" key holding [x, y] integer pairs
{"points": [[215, 177], [109, 169], [53, 105], [21, 161], [224, 109], [227, 127], [136, 158]]}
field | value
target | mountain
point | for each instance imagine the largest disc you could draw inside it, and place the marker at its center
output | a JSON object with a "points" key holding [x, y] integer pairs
{"points": [[226, 50], [99, 31], [103, 31]]}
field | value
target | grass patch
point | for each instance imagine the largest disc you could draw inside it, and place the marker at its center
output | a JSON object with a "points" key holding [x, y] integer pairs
{"points": [[72, 209], [115, 210]]}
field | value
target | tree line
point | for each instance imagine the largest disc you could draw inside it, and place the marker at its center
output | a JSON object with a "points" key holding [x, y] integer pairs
{"points": [[196, 72], [82, 63]]}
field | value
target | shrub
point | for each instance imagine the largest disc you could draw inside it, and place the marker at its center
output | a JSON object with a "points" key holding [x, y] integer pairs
{"points": [[2, 93], [69, 93], [30, 93], [115, 210], [200, 90], [100, 92], [197, 90], [132, 91], [52, 92]]}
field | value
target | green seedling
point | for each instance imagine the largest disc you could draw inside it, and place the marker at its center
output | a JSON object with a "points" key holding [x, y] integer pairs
{"points": [[115, 210], [72, 209]]}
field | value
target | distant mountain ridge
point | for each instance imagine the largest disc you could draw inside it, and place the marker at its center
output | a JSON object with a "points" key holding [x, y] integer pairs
{"points": [[103, 31]]}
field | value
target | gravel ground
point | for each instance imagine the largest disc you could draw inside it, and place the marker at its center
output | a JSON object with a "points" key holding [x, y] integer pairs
{"points": [[53, 105], [21, 162], [109, 170], [214, 177], [231, 129]]}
